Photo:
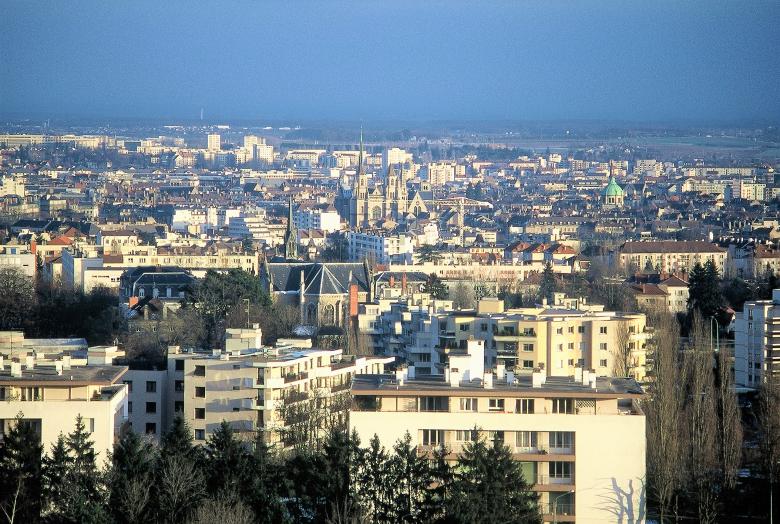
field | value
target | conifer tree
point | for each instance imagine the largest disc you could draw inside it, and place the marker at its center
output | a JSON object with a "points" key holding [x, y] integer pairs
{"points": [[370, 482], [20, 473], [131, 476], [548, 285], [84, 495], [55, 470], [489, 487], [410, 480], [226, 460]]}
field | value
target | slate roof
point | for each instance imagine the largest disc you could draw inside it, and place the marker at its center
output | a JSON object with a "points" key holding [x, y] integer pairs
{"points": [[319, 278]]}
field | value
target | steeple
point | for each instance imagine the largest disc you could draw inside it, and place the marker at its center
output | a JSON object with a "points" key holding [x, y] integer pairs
{"points": [[291, 235], [360, 157]]}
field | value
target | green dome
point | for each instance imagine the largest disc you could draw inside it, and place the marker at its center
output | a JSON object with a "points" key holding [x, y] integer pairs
{"points": [[613, 189]]}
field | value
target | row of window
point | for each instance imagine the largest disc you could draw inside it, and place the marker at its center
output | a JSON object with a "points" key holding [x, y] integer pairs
{"points": [[522, 405]]}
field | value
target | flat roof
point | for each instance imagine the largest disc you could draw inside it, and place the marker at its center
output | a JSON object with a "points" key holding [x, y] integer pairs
{"points": [[606, 387], [75, 376]]}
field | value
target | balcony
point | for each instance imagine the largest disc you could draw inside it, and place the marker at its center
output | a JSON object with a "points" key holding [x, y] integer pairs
{"points": [[558, 512], [548, 483], [294, 377]]}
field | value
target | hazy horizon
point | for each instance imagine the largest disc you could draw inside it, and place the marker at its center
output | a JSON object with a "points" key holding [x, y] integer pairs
{"points": [[629, 62]]}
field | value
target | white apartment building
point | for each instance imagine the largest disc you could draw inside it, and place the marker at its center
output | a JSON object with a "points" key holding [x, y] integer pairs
{"points": [[440, 173], [50, 394], [380, 248], [214, 142], [757, 341], [327, 220], [254, 388], [146, 396], [394, 156], [18, 257], [580, 440]]}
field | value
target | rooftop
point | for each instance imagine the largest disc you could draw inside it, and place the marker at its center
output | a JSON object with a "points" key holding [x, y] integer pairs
{"points": [[75, 376]]}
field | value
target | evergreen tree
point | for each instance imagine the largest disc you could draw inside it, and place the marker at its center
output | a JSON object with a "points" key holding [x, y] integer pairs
{"points": [[489, 487], [704, 291], [83, 495], [131, 476], [263, 494], [436, 288], [410, 480], [20, 473], [548, 284], [178, 439], [55, 470], [370, 482], [226, 461]]}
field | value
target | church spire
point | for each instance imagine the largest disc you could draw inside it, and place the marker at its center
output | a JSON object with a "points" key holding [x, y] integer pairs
{"points": [[291, 235], [360, 157]]}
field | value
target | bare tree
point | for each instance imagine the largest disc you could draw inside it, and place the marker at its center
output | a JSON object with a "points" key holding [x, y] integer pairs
{"points": [[663, 415], [768, 414], [701, 428], [180, 489], [462, 295], [223, 511], [730, 421], [623, 361], [135, 499]]}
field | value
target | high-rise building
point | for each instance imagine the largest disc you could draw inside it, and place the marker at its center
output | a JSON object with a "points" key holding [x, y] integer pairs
{"points": [[215, 142], [757, 341]]}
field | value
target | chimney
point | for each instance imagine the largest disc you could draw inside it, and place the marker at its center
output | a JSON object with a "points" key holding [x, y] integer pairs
{"points": [[537, 378], [66, 362], [215, 352], [29, 362], [392, 281], [510, 378], [454, 378], [585, 378], [58, 367], [578, 374], [487, 380], [1, 363], [16, 369], [410, 372], [593, 379], [403, 282], [500, 371], [353, 299], [173, 350]]}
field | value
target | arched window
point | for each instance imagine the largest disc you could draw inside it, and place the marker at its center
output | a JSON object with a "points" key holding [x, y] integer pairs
{"points": [[329, 315], [311, 314], [376, 213]]}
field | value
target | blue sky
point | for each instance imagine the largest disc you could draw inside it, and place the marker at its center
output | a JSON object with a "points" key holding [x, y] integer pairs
{"points": [[393, 60]]}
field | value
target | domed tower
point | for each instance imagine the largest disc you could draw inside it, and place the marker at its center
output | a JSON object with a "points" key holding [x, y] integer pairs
{"points": [[613, 195]]}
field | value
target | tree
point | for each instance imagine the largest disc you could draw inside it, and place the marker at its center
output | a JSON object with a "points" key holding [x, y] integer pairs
{"points": [[337, 249], [227, 460], [177, 441], [179, 489], [704, 292], [55, 469], [548, 285], [83, 497], [410, 480], [700, 423], [730, 421], [17, 298], [623, 361], [436, 288], [429, 254], [224, 510], [768, 415], [369, 482], [663, 415], [20, 473], [264, 480], [462, 296], [489, 486], [132, 468]]}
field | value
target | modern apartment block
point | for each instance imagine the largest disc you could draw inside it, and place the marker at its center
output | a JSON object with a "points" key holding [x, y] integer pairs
{"points": [[580, 439], [757, 341], [556, 338], [256, 388], [51, 394], [671, 256]]}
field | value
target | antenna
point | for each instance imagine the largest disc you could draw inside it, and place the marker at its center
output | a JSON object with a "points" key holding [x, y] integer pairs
{"points": [[201, 114]]}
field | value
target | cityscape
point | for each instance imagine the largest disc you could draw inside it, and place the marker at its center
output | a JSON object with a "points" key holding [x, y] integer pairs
{"points": [[398, 268]]}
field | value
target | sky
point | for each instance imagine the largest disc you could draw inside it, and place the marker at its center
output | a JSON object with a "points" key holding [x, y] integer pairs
{"points": [[392, 60]]}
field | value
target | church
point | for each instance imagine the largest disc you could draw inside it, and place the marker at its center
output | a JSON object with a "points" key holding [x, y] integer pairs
{"points": [[365, 206]]}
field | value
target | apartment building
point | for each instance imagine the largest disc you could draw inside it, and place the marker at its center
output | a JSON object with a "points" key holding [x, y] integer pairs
{"points": [[580, 439], [261, 389], [51, 394], [671, 256], [757, 341], [146, 401], [380, 247]]}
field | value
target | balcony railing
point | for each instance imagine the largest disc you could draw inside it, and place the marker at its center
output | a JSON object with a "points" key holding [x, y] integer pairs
{"points": [[559, 509], [547, 480], [292, 377]]}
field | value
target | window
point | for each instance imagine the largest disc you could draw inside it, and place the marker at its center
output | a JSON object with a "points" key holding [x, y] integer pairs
{"points": [[434, 403], [433, 437], [603, 362], [483, 327], [571, 345], [200, 434], [129, 407], [603, 346], [236, 388], [560, 470], [580, 329], [496, 436], [151, 386], [559, 331], [528, 364], [129, 385], [525, 439], [200, 413], [496, 404], [528, 347], [571, 329], [525, 406], [151, 407], [466, 436], [180, 365], [468, 404], [562, 405], [603, 330], [178, 385], [560, 347], [571, 361], [200, 371], [151, 428], [236, 366], [200, 392], [561, 439], [464, 327], [178, 406]]}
